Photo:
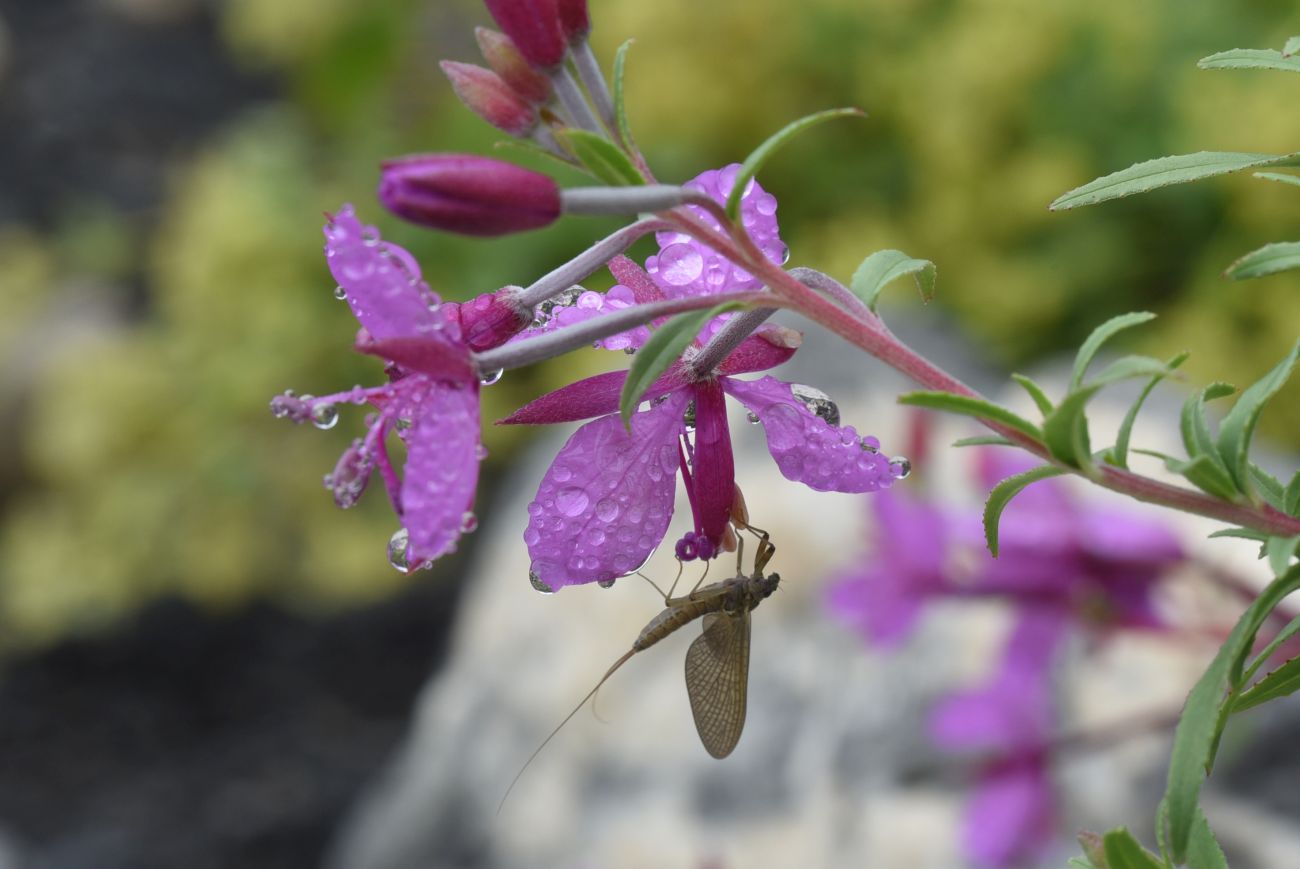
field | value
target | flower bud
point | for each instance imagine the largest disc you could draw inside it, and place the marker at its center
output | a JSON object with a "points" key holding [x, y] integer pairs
{"points": [[492, 319], [533, 26], [486, 95], [574, 21], [506, 61], [468, 194]]}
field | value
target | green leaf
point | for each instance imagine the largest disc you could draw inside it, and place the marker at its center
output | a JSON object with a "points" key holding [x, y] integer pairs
{"points": [[1080, 863], [1003, 493], [1128, 367], [620, 105], [1205, 473], [1035, 392], [1239, 425], [663, 348], [1279, 176], [777, 140], [966, 406], [603, 158], [1065, 431], [1282, 682], [1100, 336], [1118, 454], [1198, 730], [1162, 830], [1279, 551], [884, 266], [1242, 533], [1291, 495], [1292, 46], [1291, 629], [1250, 58], [1269, 486], [1094, 848], [1125, 852], [1267, 260], [983, 441], [1203, 851], [1195, 428], [1163, 171]]}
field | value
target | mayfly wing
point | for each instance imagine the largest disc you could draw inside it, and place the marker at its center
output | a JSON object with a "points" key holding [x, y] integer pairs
{"points": [[717, 680]]}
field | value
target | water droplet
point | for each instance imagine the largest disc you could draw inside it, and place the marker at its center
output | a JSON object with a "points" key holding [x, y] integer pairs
{"points": [[688, 417], [605, 583], [871, 444], [561, 474], [324, 416], [752, 417], [481, 452], [468, 522], [340, 293], [537, 583], [680, 264], [399, 546], [606, 510], [492, 377], [571, 501], [817, 402], [900, 467]]}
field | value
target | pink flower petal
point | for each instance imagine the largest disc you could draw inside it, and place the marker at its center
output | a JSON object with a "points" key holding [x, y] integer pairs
{"points": [[594, 396], [439, 360], [714, 477], [441, 468], [808, 449], [632, 276], [1011, 815], [381, 279], [607, 499], [766, 348]]}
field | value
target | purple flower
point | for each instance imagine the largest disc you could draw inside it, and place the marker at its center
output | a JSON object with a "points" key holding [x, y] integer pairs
{"points": [[468, 194], [431, 399]]}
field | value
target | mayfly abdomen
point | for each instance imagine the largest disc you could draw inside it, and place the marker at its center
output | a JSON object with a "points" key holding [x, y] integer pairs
{"points": [[673, 618]]}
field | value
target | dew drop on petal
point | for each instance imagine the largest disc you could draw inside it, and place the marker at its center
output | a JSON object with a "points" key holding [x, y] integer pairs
{"points": [[752, 417], [468, 522], [680, 264], [605, 583], [481, 452], [492, 377], [817, 402], [571, 501], [606, 510], [536, 582], [399, 546], [900, 467], [324, 416], [871, 444]]}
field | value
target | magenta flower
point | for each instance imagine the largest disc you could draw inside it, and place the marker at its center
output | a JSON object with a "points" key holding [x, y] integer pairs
{"points": [[431, 399], [468, 194]]}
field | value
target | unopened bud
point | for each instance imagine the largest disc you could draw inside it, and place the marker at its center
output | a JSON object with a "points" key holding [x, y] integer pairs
{"points": [[468, 194], [533, 26], [492, 319], [485, 94], [506, 61], [574, 22]]}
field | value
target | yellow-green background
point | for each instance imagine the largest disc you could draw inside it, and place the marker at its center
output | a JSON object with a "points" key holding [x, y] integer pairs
{"points": [[143, 459]]}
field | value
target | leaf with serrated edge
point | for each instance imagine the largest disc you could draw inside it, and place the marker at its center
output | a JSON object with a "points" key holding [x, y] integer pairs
{"points": [[1239, 425], [1267, 260], [777, 140], [1100, 336], [1282, 682], [1279, 551], [1195, 429], [1163, 171], [885, 266], [1279, 176], [662, 349], [1291, 629], [966, 406], [1205, 474], [1065, 431], [1203, 851], [1118, 454], [1291, 495], [1250, 58], [1240, 533], [1269, 486], [1035, 392], [1003, 493], [620, 105], [1198, 727], [1125, 852], [602, 157]]}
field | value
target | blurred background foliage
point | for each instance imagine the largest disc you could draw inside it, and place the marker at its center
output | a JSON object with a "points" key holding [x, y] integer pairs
{"points": [[162, 276]]}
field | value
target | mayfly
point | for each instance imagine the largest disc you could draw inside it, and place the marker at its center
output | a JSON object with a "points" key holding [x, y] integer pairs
{"points": [[717, 662]]}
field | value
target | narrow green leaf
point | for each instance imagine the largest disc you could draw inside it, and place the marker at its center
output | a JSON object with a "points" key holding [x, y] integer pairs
{"points": [[1080, 863], [1094, 848], [976, 407], [777, 140], [620, 105], [1125, 852], [1195, 428], [1204, 473], [885, 266], [1163, 171], [1065, 431], [1035, 392], [662, 349], [1198, 729], [1003, 493], [603, 158], [1241, 533], [1279, 551], [1268, 486], [1292, 47], [1100, 336], [1282, 682], [1118, 455], [1291, 495], [983, 441], [1267, 260], [1291, 629], [1239, 425], [1162, 831], [1203, 851], [1250, 58], [1128, 367], [1279, 176]]}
